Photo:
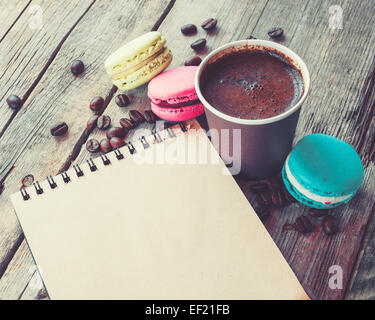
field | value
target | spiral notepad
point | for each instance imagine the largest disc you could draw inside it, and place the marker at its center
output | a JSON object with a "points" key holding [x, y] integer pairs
{"points": [[147, 222]]}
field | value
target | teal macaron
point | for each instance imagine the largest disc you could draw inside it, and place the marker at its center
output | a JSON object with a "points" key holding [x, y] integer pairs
{"points": [[322, 171]]}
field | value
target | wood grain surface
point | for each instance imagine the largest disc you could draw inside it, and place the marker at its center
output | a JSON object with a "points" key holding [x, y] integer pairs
{"points": [[341, 103], [26, 143]]}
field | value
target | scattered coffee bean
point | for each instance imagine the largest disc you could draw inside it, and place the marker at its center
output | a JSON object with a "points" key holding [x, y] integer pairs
{"points": [[277, 198], [209, 24], [92, 145], [194, 61], [136, 116], [91, 123], [116, 142], [303, 224], [288, 226], [149, 116], [263, 199], [275, 32], [122, 100], [14, 102], [103, 122], [275, 183], [288, 197], [77, 67], [329, 225], [119, 132], [96, 104], [259, 187], [128, 124], [250, 38], [316, 213], [105, 146], [27, 181], [59, 129], [188, 29], [263, 214], [266, 196], [198, 44]]}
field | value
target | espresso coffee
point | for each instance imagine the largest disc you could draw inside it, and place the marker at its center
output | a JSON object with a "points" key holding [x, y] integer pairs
{"points": [[252, 84]]}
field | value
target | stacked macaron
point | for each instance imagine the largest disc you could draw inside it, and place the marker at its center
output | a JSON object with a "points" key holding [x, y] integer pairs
{"points": [[138, 61], [322, 171], [173, 96]]}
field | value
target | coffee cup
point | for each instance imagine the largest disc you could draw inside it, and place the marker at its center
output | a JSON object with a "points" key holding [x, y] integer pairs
{"points": [[254, 148]]}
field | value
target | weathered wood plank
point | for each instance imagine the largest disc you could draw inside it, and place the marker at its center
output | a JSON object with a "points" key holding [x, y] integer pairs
{"points": [[25, 51], [333, 107], [10, 11], [59, 96], [23, 57], [363, 283], [19, 271]]}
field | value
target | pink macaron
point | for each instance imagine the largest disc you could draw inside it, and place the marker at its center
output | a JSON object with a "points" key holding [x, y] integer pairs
{"points": [[173, 95]]}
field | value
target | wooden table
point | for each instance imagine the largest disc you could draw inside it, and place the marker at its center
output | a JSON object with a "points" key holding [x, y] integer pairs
{"points": [[35, 65]]}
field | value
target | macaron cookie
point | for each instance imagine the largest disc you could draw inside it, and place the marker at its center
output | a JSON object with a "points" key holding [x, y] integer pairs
{"points": [[138, 61], [173, 96], [322, 171]]}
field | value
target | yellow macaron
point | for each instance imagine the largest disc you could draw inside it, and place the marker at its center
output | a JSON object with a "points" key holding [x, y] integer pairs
{"points": [[138, 61]]}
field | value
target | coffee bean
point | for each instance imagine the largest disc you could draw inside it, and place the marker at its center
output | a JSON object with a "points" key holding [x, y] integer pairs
{"points": [[275, 32], [128, 124], [194, 61], [259, 187], [303, 224], [188, 29], [116, 142], [288, 197], [209, 24], [92, 145], [91, 123], [266, 196], [59, 129], [329, 225], [27, 181], [149, 116], [277, 198], [96, 104], [122, 100], [263, 199], [316, 213], [77, 67], [119, 132], [103, 122], [136, 116], [14, 102], [288, 226], [263, 214], [198, 44], [275, 182], [105, 145]]}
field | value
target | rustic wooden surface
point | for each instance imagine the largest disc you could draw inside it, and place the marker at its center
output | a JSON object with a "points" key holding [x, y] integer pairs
{"points": [[35, 65]]}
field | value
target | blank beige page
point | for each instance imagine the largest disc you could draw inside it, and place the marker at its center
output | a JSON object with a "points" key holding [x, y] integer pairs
{"points": [[134, 230]]}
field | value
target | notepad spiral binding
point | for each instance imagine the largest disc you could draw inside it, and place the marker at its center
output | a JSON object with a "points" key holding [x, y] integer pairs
{"points": [[93, 167]]}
